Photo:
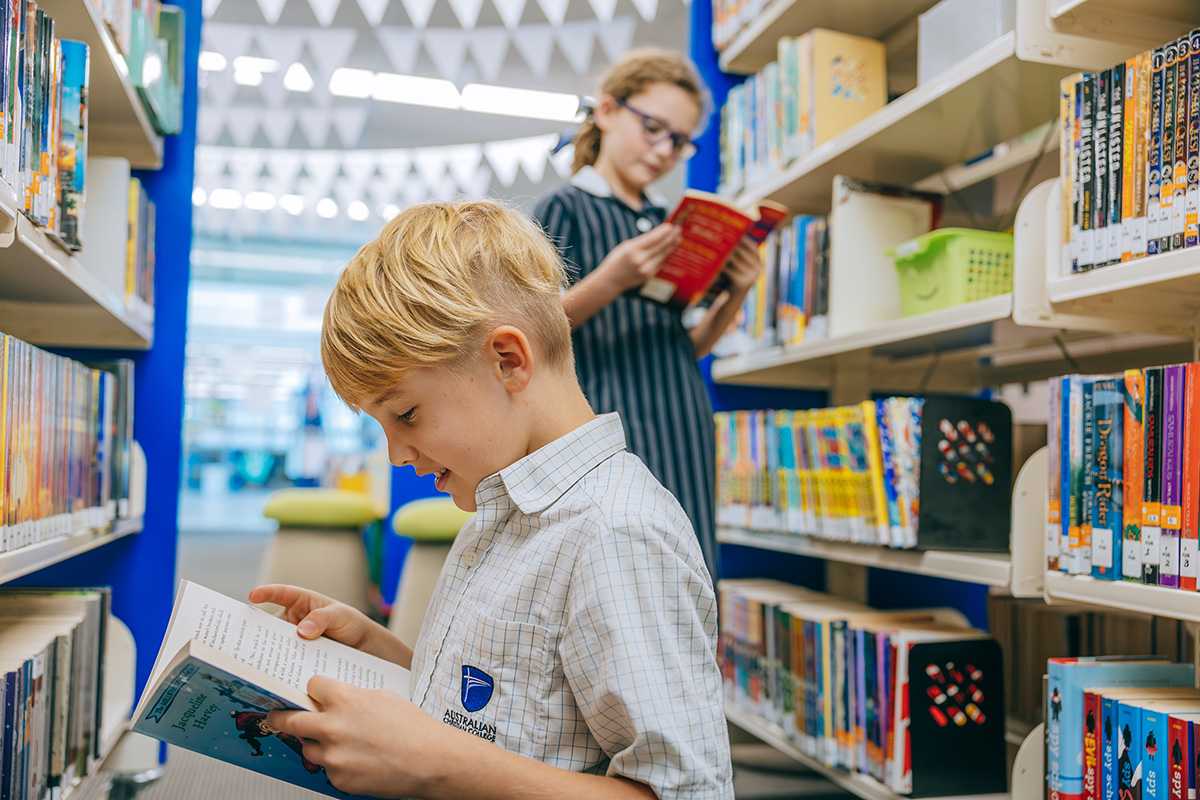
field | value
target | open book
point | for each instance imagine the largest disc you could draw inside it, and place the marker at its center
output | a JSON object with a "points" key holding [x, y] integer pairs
{"points": [[711, 228], [223, 665]]}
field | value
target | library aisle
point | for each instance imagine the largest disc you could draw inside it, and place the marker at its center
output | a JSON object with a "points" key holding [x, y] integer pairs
{"points": [[921, 371]]}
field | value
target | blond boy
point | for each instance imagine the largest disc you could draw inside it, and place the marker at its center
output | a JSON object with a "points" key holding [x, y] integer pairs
{"points": [[574, 622]]}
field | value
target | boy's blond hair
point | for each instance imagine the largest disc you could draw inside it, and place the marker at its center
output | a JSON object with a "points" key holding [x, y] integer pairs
{"points": [[430, 287]]}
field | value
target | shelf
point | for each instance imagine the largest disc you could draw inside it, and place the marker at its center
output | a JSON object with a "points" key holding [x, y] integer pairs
{"points": [[858, 785], [39, 556], [988, 98], [1148, 22], [49, 298], [989, 569], [1152, 290], [118, 124], [755, 46], [1123, 596]]}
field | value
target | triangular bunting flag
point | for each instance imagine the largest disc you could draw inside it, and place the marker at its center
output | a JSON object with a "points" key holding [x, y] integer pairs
{"points": [[395, 168], [476, 187], [617, 37], [277, 124], [502, 161], [244, 167], [324, 11], [282, 44], [431, 164], [243, 125], [349, 122], [220, 88], [575, 41], [418, 11], [555, 10], [464, 161], [414, 191], [285, 167], [229, 40], [604, 9], [535, 43], [210, 7], [359, 168], [315, 125], [510, 11], [562, 161], [330, 48], [273, 92], [533, 156], [321, 167], [489, 46], [271, 9], [447, 47], [210, 122], [647, 8], [373, 10], [466, 11], [208, 164], [400, 44]]}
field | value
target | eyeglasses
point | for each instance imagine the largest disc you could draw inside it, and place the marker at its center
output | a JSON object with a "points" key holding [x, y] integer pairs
{"points": [[657, 131]]}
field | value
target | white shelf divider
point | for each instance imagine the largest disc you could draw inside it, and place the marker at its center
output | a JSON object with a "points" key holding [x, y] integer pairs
{"points": [[1123, 596], [21, 562]]}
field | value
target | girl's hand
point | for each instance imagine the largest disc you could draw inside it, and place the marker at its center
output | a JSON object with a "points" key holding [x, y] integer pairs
{"points": [[744, 266], [634, 261], [316, 615], [370, 742]]}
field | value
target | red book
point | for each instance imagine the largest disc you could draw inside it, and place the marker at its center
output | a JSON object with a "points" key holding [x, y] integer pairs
{"points": [[1091, 745], [711, 229], [1188, 552], [1178, 750]]}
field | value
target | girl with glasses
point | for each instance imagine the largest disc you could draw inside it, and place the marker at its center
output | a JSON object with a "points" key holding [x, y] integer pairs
{"points": [[634, 356]]}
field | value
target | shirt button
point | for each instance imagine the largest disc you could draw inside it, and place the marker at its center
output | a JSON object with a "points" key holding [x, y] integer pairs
{"points": [[470, 558], [644, 224]]}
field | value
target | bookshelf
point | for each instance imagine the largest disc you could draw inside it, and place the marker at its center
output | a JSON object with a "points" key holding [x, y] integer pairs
{"points": [[754, 46], [1148, 21], [22, 562], [1123, 596]]}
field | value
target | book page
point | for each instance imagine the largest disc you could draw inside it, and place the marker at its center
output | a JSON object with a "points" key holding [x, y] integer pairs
{"points": [[269, 644]]}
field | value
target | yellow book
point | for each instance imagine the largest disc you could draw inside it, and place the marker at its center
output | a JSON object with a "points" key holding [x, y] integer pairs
{"points": [[1067, 163], [131, 243], [4, 429], [848, 83], [875, 465]]}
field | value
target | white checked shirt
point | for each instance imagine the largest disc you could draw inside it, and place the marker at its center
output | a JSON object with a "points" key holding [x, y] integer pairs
{"points": [[575, 622]]}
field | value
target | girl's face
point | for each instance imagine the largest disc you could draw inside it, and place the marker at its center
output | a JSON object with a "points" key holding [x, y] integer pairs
{"points": [[645, 135]]}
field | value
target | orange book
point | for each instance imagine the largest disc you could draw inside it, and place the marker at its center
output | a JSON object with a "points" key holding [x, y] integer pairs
{"points": [[1131, 515], [712, 228], [1188, 544]]}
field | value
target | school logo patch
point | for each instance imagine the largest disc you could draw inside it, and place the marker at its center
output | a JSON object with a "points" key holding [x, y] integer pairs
{"points": [[477, 688]]}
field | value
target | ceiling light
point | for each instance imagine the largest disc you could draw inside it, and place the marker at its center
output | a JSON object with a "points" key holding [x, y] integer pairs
{"points": [[228, 199], [520, 102], [414, 90], [297, 79], [326, 208], [256, 64], [349, 82], [247, 77], [358, 211], [199, 196], [260, 201], [292, 204], [211, 61], [390, 211]]}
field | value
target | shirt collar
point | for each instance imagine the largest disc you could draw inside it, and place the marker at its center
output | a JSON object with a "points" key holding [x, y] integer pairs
{"points": [[591, 181], [542, 477]]}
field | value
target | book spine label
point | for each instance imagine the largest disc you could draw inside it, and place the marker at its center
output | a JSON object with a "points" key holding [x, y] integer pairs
{"points": [[1100, 192], [1087, 170], [1134, 436], [1083, 552], [1171, 515], [1154, 162], [1116, 167], [1192, 220], [1166, 195], [1141, 115], [1054, 476], [1151, 467], [1179, 178], [1188, 550], [1108, 446]]}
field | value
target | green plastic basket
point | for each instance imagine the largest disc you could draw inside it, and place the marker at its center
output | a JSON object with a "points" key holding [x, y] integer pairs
{"points": [[952, 266]]}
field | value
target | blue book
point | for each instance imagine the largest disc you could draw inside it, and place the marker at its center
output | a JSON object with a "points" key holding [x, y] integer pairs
{"points": [[1108, 448], [224, 665], [1155, 735], [1065, 496]]}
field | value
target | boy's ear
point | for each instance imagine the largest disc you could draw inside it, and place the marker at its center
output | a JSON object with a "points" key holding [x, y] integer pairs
{"points": [[512, 358]]}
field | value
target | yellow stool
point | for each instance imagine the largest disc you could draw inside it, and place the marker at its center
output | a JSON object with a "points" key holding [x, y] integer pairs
{"points": [[319, 543], [432, 524]]}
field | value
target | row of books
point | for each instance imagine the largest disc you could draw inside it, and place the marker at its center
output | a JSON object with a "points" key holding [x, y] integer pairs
{"points": [[139, 244], [863, 473], [150, 33], [52, 652], [1124, 483], [789, 303], [883, 693], [65, 439], [1130, 142], [822, 84], [1120, 727]]}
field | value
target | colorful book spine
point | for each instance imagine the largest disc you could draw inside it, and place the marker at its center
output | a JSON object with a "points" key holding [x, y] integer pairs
{"points": [[1083, 551], [1192, 217], [1128, 158], [1129, 751], [1134, 435], [875, 466], [1067, 164], [1100, 178], [1166, 195], [1154, 158], [1141, 117], [1179, 784], [1189, 551], [1109, 735], [1054, 484], [1091, 746], [1179, 181], [1171, 478], [1075, 516], [1154, 747], [1116, 168], [1077, 173], [1087, 170], [1152, 411], [1108, 447]]}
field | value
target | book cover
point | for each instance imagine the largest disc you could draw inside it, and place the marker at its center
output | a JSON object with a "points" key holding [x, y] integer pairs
{"points": [[1091, 745], [1102, 199], [1108, 445], [1171, 466], [1054, 473], [1154, 158], [1141, 117], [1087, 172], [1189, 553], [1128, 168], [849, 82], [1083, 548], [1152, 411], [1192, 217], [1179, 180], [1134, 435], [879, 501], [1156, 738], [1116, 169], [1179, 764], [1072, 474], [1067, 163], [1111, 700], [1166, 195], [1078, 177]]}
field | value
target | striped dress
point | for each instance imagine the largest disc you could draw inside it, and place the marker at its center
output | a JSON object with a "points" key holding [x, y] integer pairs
{"points": [[635, 356]]}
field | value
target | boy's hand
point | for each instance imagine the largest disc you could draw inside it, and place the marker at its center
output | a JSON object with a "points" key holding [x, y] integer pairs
{"points": [[634, 261], [744, 266], [370, 742], [316, 615]]}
